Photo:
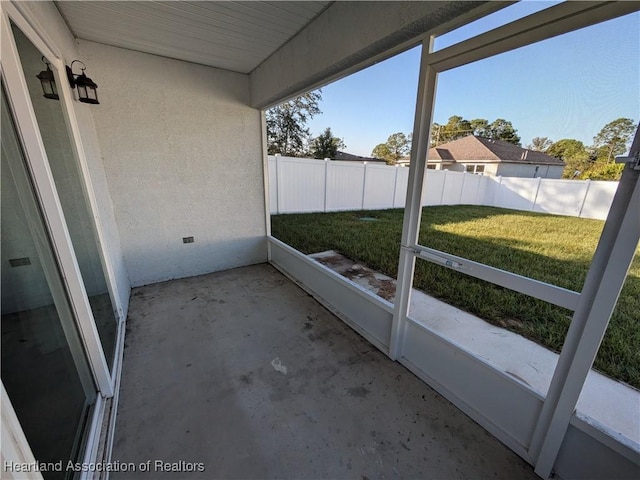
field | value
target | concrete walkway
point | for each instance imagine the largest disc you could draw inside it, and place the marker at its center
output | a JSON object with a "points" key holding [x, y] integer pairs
{"points": [[245, 373]]}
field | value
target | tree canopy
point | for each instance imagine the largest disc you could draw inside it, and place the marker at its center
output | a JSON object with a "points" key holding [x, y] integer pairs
{"points": [[568, 148], [326, 145], [458, 127], [480, 127], [597, 161], [287, 132], [613, 138], [573, 153], [501, 129], [540, 144], [397, 146]]}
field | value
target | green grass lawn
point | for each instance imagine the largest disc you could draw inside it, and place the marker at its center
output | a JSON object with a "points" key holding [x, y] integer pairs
{"points": [[550, 248]]}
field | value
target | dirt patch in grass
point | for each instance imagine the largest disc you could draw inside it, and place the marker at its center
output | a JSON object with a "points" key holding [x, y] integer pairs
{"points": [[362, 275], [510, 323]]}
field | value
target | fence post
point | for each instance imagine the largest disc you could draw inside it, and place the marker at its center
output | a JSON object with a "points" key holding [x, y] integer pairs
{"points": [[278, 183], [498, 190], [535, 198], [364, 184], [444, 182], [395, 188], [464, 176], [326, 182], [584, 199], [477, 195]]}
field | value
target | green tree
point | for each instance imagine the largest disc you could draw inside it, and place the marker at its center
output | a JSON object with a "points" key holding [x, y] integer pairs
{"points": [[540, 144], [397, 146], [603, 171], [382, 151], [436, 128], [574, 154], [568, 148], [326, 145], [287, 132], [612, 140], [501, 129], [480, 127], [456, 127]]}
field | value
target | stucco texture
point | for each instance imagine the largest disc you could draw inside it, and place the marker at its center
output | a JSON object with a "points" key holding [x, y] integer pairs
{"points": [[183, 157]]}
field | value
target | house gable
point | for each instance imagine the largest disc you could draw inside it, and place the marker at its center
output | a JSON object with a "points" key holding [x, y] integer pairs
{"points": [[486, 150]]}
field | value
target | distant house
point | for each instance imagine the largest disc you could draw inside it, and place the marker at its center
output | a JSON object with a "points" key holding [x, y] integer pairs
{"points": [[493, 157], [348, 157]]}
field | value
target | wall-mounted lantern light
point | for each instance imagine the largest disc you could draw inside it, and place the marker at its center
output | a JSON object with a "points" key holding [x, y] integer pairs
{"points": [[86, 87], [48, 82]]}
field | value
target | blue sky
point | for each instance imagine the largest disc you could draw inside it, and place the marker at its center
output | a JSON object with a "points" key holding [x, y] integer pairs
{"points": [[566, 87]]}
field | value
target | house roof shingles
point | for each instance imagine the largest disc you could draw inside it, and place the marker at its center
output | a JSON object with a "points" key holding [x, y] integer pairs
{"points": [[348, 157], [479, 149]]}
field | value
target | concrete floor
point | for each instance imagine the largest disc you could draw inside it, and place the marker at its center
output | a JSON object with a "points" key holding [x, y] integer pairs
{"points": [[243, 371]]}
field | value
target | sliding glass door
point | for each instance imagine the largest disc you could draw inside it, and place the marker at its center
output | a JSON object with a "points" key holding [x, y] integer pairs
{"points": [[60, 319], [71, 192], [44, 365]]}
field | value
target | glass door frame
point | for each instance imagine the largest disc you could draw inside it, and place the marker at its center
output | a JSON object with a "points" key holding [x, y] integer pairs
{"points": [[38, 165]]}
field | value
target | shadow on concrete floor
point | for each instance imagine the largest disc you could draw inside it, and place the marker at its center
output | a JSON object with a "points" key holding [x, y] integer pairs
{"points": [[245, 373]]}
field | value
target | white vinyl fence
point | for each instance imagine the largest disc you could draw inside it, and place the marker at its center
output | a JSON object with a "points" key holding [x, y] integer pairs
{"points": [[298, 185]]}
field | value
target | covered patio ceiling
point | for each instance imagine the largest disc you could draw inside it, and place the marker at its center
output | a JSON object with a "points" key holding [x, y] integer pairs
{"points": [[235, 36], [287, 47]]}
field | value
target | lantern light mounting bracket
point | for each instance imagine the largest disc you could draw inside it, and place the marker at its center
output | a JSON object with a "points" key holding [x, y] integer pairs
{"points": [[48, 81], [72, 76], [85, 87]]}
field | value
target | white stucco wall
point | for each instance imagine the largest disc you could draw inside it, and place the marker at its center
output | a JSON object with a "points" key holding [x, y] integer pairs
{"points": [[183, 157], [489, 168], [529, 170], [555, 171], [47, 21], [509, 169]]}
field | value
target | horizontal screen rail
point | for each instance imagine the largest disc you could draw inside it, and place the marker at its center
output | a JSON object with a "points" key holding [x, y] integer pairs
{"points": [[542, 25], [534, 288]]}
